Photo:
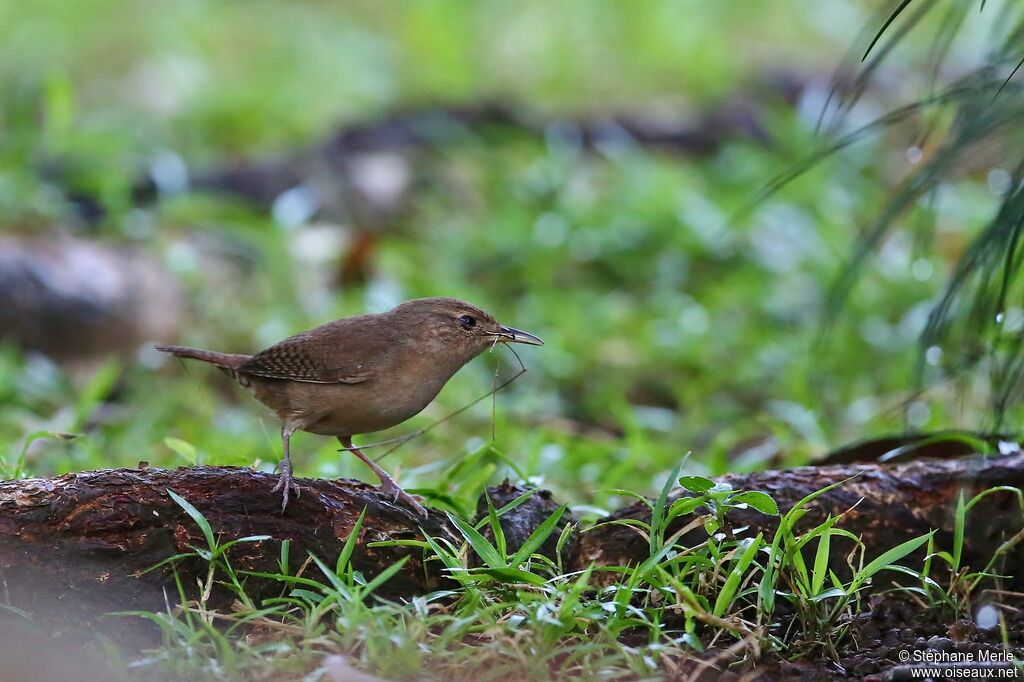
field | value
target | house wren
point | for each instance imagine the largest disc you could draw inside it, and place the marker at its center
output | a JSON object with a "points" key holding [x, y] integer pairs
{"points": [[362, 374]]}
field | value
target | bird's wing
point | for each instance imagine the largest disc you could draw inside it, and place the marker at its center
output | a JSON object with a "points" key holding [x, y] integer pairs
{"points": [[342, 352]]}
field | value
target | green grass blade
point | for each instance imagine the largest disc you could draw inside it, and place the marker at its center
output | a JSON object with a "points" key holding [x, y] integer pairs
{"points": [[537, 537], [886, 559], [659, 510], [335, 579], [484, 549], [736, 575], [820, 571], [495, 524], [384, 576], [509, 575], [197, 516], [350, 544], [958, 531]]}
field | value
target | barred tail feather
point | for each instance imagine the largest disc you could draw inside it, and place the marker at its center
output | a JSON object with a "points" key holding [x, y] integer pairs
{"points": [[229, 361]]}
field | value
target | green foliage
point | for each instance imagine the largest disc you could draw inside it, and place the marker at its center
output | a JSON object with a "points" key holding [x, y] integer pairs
{"points": [[964, 581], [17, 469], [520, 612], [667, 327], [664, 323], [973, 331]]}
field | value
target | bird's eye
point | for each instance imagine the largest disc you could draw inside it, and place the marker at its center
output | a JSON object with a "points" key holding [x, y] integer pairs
{"points": [[467, 321]]}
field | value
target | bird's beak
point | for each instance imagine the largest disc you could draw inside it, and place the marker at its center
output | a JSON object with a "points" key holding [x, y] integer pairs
{"points": [[513, 335]]}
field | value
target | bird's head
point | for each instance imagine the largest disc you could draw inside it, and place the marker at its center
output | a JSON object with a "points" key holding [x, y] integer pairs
{"points": [[460, 328]]}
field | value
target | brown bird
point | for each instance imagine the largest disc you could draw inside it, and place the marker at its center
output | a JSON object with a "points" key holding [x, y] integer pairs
{"points": [[362, 374]]}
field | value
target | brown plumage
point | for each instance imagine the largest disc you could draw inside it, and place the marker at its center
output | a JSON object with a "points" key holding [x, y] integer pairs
{"points": [[364, 373]]}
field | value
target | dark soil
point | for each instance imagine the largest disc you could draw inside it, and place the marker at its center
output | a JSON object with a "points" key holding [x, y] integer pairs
{"points": [[895, 636]]}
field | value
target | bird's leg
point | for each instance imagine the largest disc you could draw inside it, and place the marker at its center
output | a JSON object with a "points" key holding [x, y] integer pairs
{"points": [[387, 484], [285, 483]]}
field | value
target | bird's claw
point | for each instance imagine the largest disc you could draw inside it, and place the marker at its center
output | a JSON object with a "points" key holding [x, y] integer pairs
{"points": [[286, 485], [395, 492]]}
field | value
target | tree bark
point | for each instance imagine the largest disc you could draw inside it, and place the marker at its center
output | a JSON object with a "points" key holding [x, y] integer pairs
{"points": [[884, 505], [77, 546]]}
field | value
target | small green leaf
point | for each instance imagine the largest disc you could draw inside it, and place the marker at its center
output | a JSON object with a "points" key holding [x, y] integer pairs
{"points": [[685, 505], [762, 502], [696, 484]]}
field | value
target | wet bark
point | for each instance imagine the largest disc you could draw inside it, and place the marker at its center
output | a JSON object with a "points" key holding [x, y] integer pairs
{"points": [[77, 546], [884, 505]]}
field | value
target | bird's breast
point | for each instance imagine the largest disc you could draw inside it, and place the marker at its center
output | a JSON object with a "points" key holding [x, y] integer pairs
{"points": [[393, 394], [347, 409]]}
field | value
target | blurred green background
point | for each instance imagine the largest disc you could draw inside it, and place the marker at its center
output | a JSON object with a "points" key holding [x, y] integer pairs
{"points": [[674, 320]]}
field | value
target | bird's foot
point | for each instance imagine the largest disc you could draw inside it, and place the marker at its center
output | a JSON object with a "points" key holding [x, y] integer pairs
{"points": [[286, 485], [395, 492]]}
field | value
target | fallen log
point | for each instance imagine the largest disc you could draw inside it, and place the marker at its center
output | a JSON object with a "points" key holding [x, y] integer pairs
{"points": [[884, 505], [77, 546], [81, 545]]}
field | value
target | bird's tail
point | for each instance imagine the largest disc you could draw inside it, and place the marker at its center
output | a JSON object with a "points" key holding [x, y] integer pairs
{"points": [[224, 360]]}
